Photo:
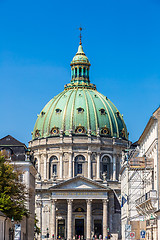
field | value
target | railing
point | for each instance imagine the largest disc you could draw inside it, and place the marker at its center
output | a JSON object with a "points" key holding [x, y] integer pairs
{"points": [[152, 194]]}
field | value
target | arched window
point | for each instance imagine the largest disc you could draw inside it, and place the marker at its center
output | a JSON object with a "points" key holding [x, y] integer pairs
{"points": [[72, 73], [80, 72], [53, 166], [117, 169], [75, 72], [87, 73], [36, 164], [84, 72], [79, 162], [107, 167]]}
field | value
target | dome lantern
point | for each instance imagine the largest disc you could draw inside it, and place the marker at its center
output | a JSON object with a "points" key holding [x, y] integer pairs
{"points": [[80, 67]]}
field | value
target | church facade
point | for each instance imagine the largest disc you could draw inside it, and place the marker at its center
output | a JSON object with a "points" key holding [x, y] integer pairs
{"points": [[77, 143]]}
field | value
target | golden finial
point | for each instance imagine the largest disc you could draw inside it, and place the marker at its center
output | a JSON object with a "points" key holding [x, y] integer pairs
{"points": [[80, 36]]}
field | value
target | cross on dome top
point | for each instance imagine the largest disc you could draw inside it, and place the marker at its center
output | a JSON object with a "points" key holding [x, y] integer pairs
{"points": [[80, 36]]}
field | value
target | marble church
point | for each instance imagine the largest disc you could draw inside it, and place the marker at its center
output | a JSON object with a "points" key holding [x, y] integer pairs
{"points": [[77, 143]]}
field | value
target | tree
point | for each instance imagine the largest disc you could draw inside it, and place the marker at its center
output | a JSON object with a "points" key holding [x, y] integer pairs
{"points": [[13, 193], [37, 229]]}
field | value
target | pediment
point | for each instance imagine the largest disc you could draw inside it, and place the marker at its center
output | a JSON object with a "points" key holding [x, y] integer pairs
{"points": [[79, 183]]}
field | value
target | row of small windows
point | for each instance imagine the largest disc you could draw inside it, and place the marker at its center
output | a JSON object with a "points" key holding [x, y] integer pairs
{"points": [[80, 72], [106, 166]]}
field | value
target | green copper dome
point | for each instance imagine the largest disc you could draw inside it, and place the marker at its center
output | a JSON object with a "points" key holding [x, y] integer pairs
{"points": [[80, 109]]}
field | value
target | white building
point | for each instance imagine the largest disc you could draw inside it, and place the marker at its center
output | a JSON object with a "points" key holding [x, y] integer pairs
{"points": [[17, 154], [77, 143], [140, 182]]}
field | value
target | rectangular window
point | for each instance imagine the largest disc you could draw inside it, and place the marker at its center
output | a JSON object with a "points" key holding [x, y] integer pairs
{"points": [[54, 167], [79, 170], [21, 177]]}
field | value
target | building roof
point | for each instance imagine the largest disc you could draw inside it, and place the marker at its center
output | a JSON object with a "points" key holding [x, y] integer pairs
{"points": [[80, 109], [147, 128], [10, 141]]}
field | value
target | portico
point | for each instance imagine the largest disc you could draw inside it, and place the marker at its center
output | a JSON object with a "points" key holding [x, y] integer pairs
{"points": [[78, 211]]}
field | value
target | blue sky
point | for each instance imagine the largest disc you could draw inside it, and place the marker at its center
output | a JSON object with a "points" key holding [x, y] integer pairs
{"points": [[38, 40]]}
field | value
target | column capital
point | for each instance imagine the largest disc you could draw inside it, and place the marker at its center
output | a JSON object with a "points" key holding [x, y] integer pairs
{"points": [[39, 204], [89, 201], [69, 201], [53, 201], [105, 200]]}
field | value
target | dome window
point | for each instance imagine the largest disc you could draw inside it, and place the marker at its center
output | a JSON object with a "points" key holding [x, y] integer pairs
{"points": [[54, 131], [117, 113], [75, 72], [105, 131], [84, 72], [80, 110], [37, 133], [102, 111], [122, 133], [80, 130], [42, 113], [80, 72], [58, 110]]}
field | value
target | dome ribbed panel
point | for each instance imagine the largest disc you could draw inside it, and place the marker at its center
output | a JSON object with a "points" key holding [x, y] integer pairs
{"points": [[68, 102], [55, 118], [103, 119], [92, 112], [80, 118]]}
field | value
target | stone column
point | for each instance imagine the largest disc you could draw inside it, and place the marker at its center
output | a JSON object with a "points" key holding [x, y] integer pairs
{"points": [[105, 213], [69, 220], [89, 165], [89, 217], [77, 71], [70, 165], [45, 166], [98, 166], [114, 167], [61, 166], [53, 218]]}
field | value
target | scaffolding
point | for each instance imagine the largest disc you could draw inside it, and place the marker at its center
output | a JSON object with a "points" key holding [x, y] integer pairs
{"points": [[139, 179]]}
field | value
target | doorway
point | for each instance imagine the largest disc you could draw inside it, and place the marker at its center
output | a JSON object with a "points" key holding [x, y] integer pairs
{"points": [[61, 228], [79, 227], [97, 227]]}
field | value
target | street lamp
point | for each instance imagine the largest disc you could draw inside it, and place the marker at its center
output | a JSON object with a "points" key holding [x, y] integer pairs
{"points": [[11, 230], [151, 223]]}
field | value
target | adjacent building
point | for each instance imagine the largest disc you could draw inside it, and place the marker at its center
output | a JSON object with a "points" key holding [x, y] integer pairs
{"points": [[140, 183], [77, 143], [17, 154]]}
